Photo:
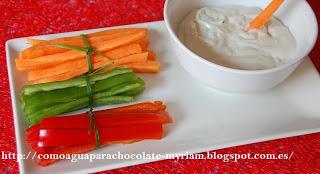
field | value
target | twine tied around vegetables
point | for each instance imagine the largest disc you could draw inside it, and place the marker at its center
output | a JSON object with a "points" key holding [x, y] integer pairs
{"points": [[89, 50]]}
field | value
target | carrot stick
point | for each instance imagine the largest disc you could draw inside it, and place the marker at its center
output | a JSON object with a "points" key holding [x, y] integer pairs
{"points": [[265, 15], [144, 43], [152, 55], [134, 58], [33, 42], [43, 50], [124, 51], [62, 40], [81, 68], [57, 70], [60, 77], [131, 63], [155, 106], [51, 60], [79, 63], [145, 67], [47, 47]]}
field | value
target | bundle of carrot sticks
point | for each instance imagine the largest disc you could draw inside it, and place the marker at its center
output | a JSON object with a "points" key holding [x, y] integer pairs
{"points": [[128, 48]]}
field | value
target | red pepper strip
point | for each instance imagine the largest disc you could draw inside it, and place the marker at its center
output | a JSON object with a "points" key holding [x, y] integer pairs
{"points": [[140, 107], [52, 138], [32, 133], [41, 150], [67, 150], [82, 121], [32, 136], [30, 129], [48, 150], [34, 144], [71, 150]]}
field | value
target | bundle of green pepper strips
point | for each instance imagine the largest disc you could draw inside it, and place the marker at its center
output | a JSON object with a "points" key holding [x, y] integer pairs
{"points": [[39, 101]]}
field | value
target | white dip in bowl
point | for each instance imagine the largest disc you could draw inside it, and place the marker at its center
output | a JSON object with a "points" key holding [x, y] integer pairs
{"points": [[219, 34], [249, 65]]}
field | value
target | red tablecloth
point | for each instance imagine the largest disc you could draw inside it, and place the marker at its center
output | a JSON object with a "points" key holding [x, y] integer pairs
{"points": [[26, 18]]}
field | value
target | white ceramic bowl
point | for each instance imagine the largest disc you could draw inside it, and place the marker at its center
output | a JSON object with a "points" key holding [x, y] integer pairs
{"points": [[296, 14]]}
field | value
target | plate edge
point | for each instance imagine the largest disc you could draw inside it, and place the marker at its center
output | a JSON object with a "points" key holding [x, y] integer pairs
{"points": [[14, 106]]}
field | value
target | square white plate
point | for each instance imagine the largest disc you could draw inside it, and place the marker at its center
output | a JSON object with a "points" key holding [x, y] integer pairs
{"points": [[205, 119]]}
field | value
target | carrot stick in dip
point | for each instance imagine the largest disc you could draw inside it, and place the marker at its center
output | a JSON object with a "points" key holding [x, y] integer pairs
{"points": [[265, 15]]}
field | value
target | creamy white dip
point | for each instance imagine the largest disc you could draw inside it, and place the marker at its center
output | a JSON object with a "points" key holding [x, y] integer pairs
{"points": [[219, 34]]}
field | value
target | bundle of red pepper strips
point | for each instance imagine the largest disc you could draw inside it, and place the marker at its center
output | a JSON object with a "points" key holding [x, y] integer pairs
{"points": [[69, 134]]}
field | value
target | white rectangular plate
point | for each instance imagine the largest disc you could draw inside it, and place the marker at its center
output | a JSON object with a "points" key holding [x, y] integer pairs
{"points": [[204, 119]]}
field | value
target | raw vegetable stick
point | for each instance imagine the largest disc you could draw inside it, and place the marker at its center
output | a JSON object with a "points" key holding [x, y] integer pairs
{"points": [[32, 105], [135, 58], [139, 57], [59, 70], [39, 63], [105, 119], [116, 53], [156, 106], [144, 43], [33, 41], [35, 113], [152, 55], [47, 49], [51, 60], [53, 138], [144, 107], [79, 70], [265, 15], [118, 90], [111, 96], [77, 82], [68, 150], [33, 140], [81, 103], [102, 119], [135, 47], [57, 138], [135, 91], [124, 51], [141, 131], [60, 77], [39, 50], [76, 64], [40, 99], [144, 67], [140, 107], [122, 31]]}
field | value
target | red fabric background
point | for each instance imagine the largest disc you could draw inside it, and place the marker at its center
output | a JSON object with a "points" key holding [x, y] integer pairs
{"points": [[26, 18]]}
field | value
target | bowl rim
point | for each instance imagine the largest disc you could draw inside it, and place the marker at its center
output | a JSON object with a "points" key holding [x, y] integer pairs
{"points": [[240, 71]]}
